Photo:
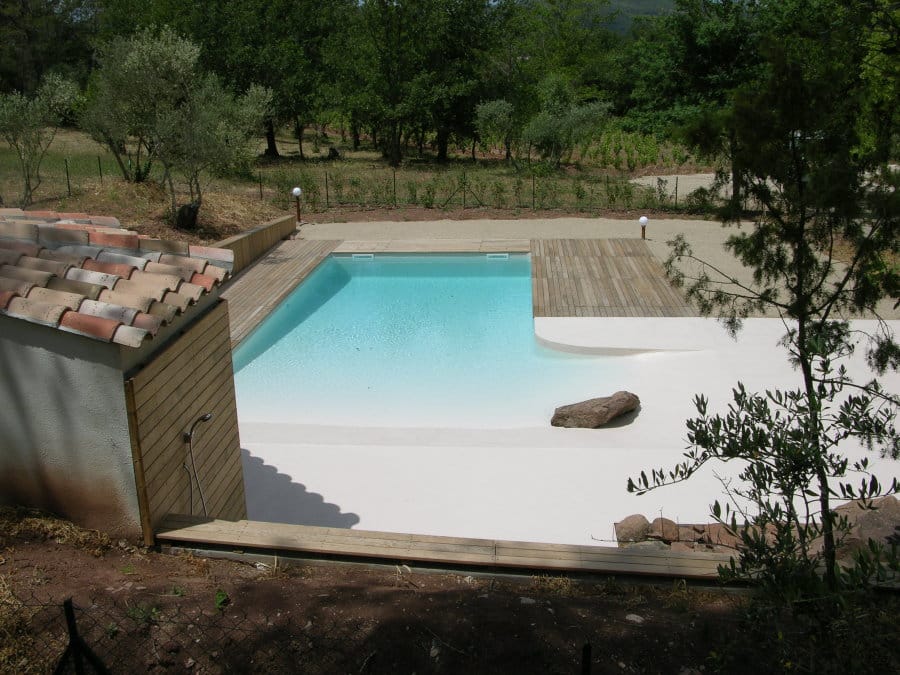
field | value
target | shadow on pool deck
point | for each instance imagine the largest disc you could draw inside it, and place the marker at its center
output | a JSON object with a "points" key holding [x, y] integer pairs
{"points": [[274, 497]]}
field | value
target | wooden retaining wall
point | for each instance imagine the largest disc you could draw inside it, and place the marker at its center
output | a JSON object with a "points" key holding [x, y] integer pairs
{"points": [[251, 244], [191, 377]]}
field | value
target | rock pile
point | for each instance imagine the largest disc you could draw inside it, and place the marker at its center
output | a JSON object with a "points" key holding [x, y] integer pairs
{"points": [[881, 523]]}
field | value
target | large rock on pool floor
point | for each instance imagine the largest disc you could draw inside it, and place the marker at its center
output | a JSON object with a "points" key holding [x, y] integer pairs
{"points": [[595, 412]]}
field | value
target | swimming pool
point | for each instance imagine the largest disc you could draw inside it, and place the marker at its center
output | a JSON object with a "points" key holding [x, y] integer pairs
{"points": [[411, 341]]}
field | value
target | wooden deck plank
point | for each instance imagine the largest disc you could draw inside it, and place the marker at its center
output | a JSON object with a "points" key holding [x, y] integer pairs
{"points": [[601, 277], [243, 534], [259, 289]]}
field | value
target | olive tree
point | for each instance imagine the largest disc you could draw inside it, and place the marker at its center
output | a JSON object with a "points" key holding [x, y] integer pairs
{"points": [[151, 102], [821, 251], [29, 124]]}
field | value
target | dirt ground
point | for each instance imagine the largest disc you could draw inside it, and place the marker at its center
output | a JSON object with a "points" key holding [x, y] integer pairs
{"points": [[140, 609]]}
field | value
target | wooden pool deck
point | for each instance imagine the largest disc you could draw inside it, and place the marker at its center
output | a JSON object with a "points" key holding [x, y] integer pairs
{"points": [[258, 290], [570, 277], [361, 545], [601, 277]]}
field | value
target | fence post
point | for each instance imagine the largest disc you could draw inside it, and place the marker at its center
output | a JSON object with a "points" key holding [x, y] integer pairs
{"points": [[100, 169], [259, 178], [394, 171], [532, 192], [68, 182], [676, 192], [464, 190], [326, 189]]}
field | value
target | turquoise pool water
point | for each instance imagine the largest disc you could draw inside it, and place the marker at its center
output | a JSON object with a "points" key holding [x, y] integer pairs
{"points": [[410, 341]]}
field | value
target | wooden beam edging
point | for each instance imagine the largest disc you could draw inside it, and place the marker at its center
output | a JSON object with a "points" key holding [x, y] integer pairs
{"points": [[343, 543], [250, 245]]}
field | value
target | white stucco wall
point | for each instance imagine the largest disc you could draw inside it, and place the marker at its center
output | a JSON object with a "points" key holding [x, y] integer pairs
{"points": [[64, 440]]}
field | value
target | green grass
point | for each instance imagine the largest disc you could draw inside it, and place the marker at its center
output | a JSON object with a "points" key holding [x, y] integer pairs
{"points": [[80, 175]]}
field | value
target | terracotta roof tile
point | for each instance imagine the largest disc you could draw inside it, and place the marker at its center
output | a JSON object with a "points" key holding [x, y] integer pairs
{"points": [[163, 246], [152, 256], [159, 268], [224, 256], [107, 311], [117, 269], [80, 251], [133, 300], [106, 221], [165, 312], [53, 236], [130, 336], [89, 291], [170, 282], [23, 274], [126, 286], [52, 266], [21, 246], [118, 240], [204, 280], [18, 230], [193, 264], [5, 297], [192, 291], [92, 326], [35, 311], [9, 257], [15, 286], [50, 254], [85, 274], [122, 259], [51, 297], [148, 322]]}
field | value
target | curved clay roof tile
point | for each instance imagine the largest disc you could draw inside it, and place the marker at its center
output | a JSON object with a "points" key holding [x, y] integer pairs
{"points": [[92, 326]]}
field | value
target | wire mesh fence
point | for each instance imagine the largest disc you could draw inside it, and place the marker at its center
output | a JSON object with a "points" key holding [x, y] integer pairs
{"points": [[330, 185], [165, 633]]}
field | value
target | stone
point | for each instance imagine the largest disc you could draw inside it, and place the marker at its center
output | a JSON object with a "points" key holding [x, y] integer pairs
{"points": [[634, 618], [689, 532], [649, 545], [720, 535], [633, 528], [682, 546], [595, 412], [663, 529], [881, 524]]}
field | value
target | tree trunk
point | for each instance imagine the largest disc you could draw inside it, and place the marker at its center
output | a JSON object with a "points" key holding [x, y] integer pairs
{"points": [[474, 140], [508, 144], [735, 176], [443, 139], [271, 148], [395, 152], [298, 131]]}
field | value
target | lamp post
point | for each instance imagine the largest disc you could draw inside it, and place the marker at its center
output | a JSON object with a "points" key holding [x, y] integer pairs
{"points": [[297, 193], [643, 220]]}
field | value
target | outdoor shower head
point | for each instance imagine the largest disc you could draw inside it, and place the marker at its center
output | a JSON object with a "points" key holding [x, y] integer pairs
{"points": [[189, 435]]}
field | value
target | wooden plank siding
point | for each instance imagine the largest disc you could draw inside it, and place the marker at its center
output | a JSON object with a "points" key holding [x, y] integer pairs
{"points": [[301, 539], [189, 378], [260, 289], [601, 277]]}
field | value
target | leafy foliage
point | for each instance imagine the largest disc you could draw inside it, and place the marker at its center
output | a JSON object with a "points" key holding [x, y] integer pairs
{"points": [[29, 124]]}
